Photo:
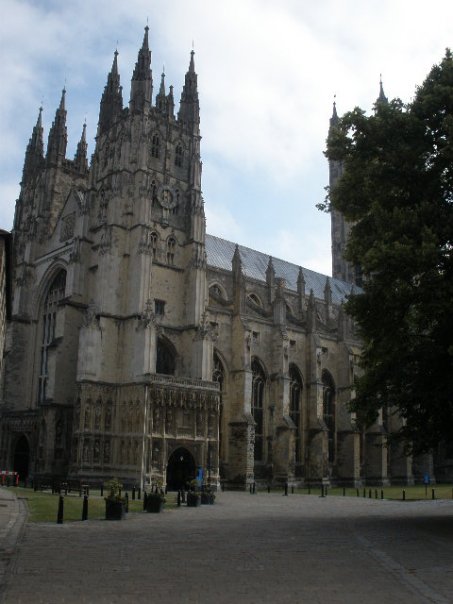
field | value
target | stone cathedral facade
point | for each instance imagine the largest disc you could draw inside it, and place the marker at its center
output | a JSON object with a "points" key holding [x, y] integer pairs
{"points": [[141, 347]]}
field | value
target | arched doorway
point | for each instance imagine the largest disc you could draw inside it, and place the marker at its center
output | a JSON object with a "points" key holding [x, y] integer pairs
{"points": [[180, 470], [21, 457]]}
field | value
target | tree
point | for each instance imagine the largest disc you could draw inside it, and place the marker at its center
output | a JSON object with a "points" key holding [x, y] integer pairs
{"points": [[396, 190]]}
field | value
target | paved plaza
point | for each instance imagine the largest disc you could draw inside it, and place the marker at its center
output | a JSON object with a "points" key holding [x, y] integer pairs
{"points": [[246, 548]]}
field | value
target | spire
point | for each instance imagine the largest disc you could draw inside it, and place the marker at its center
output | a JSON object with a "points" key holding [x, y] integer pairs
{"points": [[236, 262], [142, 80], [170, 103], [334, 119], [112, 99], [58, 137], [381, 98], [189, 108], [34, 155], [161, 99], [80, 158], [327, 292]]}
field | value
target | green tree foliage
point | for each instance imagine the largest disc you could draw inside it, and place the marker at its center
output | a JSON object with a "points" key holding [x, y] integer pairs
{"points": [[397, 191]]}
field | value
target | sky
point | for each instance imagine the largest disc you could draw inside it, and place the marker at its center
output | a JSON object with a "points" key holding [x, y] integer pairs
{"points": [[268, 71]]}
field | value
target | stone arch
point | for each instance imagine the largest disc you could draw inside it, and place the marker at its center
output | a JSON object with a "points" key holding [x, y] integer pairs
{"points": [[217, 290], [181, 468], [21, 457]]}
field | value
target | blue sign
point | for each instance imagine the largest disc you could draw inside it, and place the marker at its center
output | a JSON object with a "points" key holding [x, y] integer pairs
{"points": [[426, 479], [200, 475]]}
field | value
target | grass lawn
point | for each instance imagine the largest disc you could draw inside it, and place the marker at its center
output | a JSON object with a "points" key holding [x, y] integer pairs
{"points": [[417, 492], [43, 505]]}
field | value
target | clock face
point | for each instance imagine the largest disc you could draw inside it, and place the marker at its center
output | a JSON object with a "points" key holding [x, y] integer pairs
{"points": [[166, 197]]}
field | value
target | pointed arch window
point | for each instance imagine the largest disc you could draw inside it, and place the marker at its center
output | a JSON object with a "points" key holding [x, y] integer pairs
{"points": [[295, 396], [171, 247], [258, 383], [179, 156], [154, 242], [329, 412], [54, 296], [165, 358], [155, 146], [218, 375]]}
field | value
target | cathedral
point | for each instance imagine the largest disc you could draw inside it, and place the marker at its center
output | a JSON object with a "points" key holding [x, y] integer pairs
{"points": [[143, 348]]}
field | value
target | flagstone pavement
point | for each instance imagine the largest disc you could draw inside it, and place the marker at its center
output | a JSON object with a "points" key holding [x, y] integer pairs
{"points": [[244, 549]]}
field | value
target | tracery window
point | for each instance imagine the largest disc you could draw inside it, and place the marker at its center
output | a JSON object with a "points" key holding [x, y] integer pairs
{"points": [[329, 412], [171, 246], [153, 242], [178, 156], [155, 146], [54, 296], [295, 396], [258, 383], [254, 299]]}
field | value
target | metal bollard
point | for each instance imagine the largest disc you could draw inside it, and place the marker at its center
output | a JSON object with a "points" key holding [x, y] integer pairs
{"points": [[250, 488], [309, 489], [364, 492], [404, 495], [433, 493], [60, 510], [369, 494], [127, 502], [102, 489], [382, 493], [286, 489], [254, 487], [139, 493], [133, 493], [268, 488], [179, 499], [85, 508], [145, 496], [292, 489], [375, 493], [358, 492]]}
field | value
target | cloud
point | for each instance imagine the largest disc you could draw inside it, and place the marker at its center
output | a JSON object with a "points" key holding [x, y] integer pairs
{"points": [[267, 75]]}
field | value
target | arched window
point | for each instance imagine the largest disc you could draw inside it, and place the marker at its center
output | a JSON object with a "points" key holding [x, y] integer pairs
{"points": [[295, 396], [153, 242], [258, 383], [54, 296], [155, 146], [165, 358], [171, 246], [218, 375], [329, 411], [178, 156], [255, 300]]}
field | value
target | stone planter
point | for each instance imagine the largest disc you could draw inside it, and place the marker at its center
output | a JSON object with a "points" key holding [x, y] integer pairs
{"points": [[207, 498], [193, 499], [114, 510], [154, 505]]}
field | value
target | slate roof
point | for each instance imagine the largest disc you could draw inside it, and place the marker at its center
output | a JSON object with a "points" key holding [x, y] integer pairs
{"points": [[254, 264]]}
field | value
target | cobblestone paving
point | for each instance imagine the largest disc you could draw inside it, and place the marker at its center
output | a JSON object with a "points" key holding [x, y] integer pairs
{"points": [[244, 549]]}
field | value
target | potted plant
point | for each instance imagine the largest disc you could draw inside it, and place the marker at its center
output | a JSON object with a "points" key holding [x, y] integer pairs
{"points": [[155, 500], [115, 505], [193, 495], [207, 494]]}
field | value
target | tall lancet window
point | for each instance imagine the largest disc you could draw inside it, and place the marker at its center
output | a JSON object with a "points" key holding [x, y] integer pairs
{"points": [[295, 396], [55, 294], [329, 411], [218, 375], [258, 383], [155, 146]]}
